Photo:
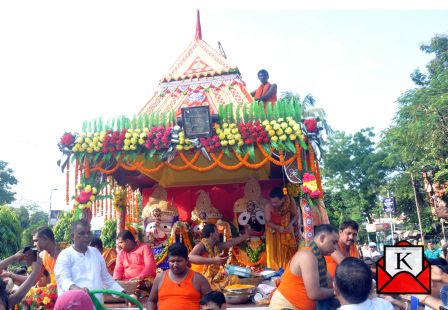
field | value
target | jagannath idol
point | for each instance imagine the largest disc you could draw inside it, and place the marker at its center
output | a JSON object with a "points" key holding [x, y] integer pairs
{"points": [[205, 213], [249, 210], [162, 227]]}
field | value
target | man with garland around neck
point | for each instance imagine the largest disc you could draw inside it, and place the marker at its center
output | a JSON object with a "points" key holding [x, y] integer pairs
{"points": [[306, 280], [207, 257], [280, 214]]}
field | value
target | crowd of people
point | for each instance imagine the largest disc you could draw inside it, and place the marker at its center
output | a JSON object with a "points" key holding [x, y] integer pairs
{"points": [[330, 272]]}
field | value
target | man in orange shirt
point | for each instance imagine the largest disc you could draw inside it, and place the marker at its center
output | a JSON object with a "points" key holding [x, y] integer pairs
{"points": [[306, 279], [178, 287], [348, 231], [266, 92], [43, 239]]}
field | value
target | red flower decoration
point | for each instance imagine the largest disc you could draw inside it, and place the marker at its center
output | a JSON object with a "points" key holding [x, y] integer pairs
{"points": [[311, 124], [67, 139]]}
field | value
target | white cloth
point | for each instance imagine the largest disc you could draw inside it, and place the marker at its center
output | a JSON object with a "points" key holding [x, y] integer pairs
{"points": [[371, 254], [84, 270], [370, 304]]}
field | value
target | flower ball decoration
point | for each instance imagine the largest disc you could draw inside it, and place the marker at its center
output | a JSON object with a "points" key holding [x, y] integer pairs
{"points": [[88, 142], [183, 144], [253, 132], [211, 143], [67, 141], [119, 198], [228, 134], [133, 138], [158, 138], [283, 129], [85, 197], [112, 140], [310, 186], [311, 125]]}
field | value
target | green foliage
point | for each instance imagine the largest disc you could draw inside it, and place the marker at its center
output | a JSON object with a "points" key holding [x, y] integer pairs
{"points": [[30, 217], [10, 231], [419, 134], [354, 173], [109, 233], [7, 179], [63, 226]]}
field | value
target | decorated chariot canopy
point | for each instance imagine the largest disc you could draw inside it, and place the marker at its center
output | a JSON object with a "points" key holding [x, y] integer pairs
{"points": [[200, 128]]}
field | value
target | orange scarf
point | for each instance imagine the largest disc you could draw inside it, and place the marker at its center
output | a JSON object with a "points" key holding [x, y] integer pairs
{"points": [[262, 90]]}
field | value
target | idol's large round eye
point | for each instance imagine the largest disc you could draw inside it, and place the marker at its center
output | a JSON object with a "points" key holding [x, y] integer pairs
{"points": [[260, 217], [244, 218], [166, 226], [197, 229]]}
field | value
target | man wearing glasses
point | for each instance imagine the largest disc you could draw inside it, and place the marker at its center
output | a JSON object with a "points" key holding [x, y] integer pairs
{"points": [[82, 267]]}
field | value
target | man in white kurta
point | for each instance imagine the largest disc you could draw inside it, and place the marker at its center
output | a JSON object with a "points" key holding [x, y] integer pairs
{"points": [[81, 266]]}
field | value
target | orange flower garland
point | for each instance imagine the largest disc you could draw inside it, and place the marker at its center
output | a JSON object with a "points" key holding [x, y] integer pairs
{"points": [[67, 183], [261, 261]]}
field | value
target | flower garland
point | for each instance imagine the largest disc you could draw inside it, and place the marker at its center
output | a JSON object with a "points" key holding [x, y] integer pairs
{"points": [[40, 298], [226, 237], [280, 134], [159, 258], [293, 189], [242, 262], [211, 253], [253, 254], [119, 198]]}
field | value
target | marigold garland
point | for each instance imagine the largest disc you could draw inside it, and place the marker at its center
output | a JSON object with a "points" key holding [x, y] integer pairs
{"points": [[217, 161], [76, 175], [299, 156], [312, 162], [67, 183], [86, 168], [242, 262]]}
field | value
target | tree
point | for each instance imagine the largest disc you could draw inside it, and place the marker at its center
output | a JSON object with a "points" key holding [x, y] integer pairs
{"points": [[30, 217], [62, 229], [418, 134], [353, 173], [10, 231], [109, 233], [7, 179]]}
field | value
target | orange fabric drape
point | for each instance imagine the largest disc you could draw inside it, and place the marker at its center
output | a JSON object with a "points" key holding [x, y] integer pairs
{"points": [[262, 90]]}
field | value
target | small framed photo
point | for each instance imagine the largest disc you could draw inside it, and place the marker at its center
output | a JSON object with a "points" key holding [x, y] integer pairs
{"points": [[196, 122]]}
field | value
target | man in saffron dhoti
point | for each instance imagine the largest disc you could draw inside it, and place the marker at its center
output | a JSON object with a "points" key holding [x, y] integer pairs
{"points": [[281, 214], [207, 258]]}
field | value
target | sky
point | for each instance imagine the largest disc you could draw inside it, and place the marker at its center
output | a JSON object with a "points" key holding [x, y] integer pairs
{"points": [[63, 62]]}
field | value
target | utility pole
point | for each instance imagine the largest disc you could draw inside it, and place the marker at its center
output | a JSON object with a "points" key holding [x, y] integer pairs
{"points": [[418, 209], [49, 212]]}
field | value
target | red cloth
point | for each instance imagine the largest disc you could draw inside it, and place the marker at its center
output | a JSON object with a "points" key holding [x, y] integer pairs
{"points": [[223, 197], [138, 263], [74, 300]]}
